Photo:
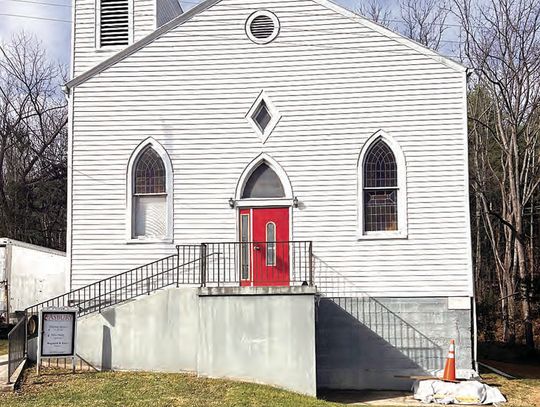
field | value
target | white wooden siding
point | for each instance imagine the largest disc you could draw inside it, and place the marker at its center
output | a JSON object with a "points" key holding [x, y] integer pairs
{"points": [[336, 83], [144, 15], [85, 54]]}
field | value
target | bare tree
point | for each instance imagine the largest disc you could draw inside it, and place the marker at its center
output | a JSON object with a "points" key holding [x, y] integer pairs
{"points": [[33, 133], [502, 44], [487, 196], [425, 21], [376, 11]]}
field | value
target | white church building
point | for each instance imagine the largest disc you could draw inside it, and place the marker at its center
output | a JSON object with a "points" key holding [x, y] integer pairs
{"points": [[276, 147]]}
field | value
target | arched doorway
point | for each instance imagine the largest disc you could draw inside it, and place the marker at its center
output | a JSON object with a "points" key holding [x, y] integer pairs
{"points": [[265, 200]]}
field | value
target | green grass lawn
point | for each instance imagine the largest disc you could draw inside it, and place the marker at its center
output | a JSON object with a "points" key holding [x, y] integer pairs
{"points": [[519, 392], [61, 389], [3, 346]]}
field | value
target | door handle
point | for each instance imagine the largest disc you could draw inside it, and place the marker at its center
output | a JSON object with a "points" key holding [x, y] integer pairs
{"points": [[256, 247]]}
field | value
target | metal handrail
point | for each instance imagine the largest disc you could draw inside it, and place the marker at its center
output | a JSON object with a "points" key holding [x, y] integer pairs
{"points": [[16, 346], [204, 253], [225, 262], [64, 299], [148, 289], [114, 284]]}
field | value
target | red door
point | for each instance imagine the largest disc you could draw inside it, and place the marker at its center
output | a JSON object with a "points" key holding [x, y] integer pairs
{"points": [[268, 253]]}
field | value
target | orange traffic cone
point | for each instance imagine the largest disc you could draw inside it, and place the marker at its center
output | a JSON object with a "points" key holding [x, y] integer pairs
{"points": [[450, 366]]}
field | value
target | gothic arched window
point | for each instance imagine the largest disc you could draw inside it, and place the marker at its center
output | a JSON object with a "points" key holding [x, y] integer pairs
{"points": [[263, 183], [150, 196], [380, 189]]}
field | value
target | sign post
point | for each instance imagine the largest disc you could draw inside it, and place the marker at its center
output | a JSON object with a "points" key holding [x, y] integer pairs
{"points": [[57, 332]]}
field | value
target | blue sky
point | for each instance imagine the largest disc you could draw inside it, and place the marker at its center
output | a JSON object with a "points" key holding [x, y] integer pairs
{"points": [[52, 23]]}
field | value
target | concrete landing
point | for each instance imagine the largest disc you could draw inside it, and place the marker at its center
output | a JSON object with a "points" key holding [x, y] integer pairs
{"points": [[371, 398]]}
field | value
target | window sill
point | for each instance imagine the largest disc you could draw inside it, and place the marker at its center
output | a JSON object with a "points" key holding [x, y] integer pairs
{"points": [[382, 236], [149, 241], [111, 48]]}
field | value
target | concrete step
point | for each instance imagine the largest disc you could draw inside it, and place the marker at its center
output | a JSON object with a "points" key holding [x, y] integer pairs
{"points": [[5, 384]]}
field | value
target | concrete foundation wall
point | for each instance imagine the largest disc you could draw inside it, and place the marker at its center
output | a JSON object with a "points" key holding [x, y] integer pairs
{"points": [[158, 332], [266, 336], [263, 335], [267, 339], [364, 343]]}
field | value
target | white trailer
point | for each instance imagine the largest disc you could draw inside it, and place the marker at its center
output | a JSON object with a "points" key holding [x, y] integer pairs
{"points": [[29, 274]]}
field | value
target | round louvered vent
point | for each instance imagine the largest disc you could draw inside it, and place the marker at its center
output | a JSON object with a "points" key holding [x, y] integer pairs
{"points": [[262, 27]]}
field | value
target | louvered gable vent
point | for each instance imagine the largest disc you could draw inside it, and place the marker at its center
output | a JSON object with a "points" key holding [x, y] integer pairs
{"points": [[262, 27], [114, 22]]}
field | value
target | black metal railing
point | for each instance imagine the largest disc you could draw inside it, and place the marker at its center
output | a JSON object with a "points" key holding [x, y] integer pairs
{"points": [[16, 346], [287, 263], [206, 264], [179, 268]]}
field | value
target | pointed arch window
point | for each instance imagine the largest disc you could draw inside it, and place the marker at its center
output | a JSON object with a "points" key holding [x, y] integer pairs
{"points": [[380, 189], [150, 174], [150, 195], [263, 183]]}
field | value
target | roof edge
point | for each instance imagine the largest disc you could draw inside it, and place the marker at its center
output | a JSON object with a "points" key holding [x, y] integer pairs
{"points": [[4, 241], [182, 18], [393, 35], [175, 22]]}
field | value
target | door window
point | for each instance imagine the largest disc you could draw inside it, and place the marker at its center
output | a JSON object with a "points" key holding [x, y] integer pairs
{"points": [[270, 244], [244, 246]]}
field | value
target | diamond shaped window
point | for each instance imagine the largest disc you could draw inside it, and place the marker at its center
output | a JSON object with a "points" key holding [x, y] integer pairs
{"points": [[263, 116]]}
